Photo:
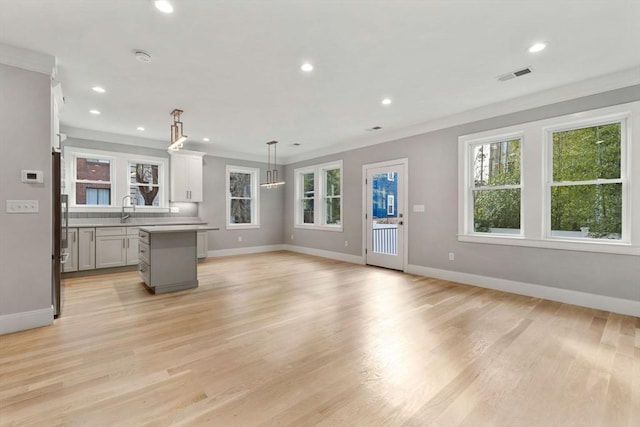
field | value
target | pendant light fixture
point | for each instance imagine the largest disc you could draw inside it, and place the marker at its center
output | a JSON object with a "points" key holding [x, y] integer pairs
{"points": [[177, 137], [272, 174]]}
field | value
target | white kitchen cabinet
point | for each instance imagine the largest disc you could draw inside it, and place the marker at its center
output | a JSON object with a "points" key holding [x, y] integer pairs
{"points": [[71, 251], [186, 176], [201, 244], [86, 248], [111, 248], [116, 246], [132, 246]]}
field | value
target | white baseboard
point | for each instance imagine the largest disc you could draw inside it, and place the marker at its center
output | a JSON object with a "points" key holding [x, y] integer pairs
{"points": [[244, 251], [25, 320], [600, 302], [354, 259]]}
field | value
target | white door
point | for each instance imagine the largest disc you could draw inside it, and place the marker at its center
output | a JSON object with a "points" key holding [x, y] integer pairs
{"points": [[385, 205]]}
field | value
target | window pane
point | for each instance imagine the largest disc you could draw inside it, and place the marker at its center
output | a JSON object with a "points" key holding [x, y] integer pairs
{"points": [[496, 211], [93, 169], [240, 184], [240, 211], [333, 182], [587, 211], [308, 185], [497, 163], [333, 210], [93, 194], [307, 211], [144, 195], [587, 154], [141, 173]]}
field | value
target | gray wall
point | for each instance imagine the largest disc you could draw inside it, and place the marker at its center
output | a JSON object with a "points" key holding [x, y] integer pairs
{"points": [[213, 208], [26, 239], [433, 182]]}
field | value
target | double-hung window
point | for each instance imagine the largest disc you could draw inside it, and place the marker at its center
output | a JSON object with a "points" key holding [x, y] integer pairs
{"points": [[144, 185], [93, 181], [243, 197], [586, 181], [563, 183], [318, 192], [96, 179], [495, 189]]}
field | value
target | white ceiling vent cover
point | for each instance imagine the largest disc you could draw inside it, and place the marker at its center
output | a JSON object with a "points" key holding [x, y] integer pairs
{"points": [[514, 74]]}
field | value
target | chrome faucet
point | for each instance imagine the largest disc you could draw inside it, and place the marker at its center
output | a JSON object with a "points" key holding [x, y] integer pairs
{"points": [[123, 216]]}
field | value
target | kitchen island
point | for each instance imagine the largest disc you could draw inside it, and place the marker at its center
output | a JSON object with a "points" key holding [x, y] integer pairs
{"points": [[167, 257]]}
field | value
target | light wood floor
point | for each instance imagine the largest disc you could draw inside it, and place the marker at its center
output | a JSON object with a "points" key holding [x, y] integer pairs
{"points": [[287, 339]]}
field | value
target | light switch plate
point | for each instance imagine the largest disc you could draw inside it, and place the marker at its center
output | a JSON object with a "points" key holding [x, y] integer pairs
{"points": [[175, 209], [418, 208], [22, 206]]}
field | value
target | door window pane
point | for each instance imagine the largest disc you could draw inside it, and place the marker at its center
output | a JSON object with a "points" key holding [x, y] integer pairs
{"points": [[385, 221]]}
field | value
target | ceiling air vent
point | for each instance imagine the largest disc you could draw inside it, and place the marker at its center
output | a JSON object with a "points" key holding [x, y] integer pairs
{"points": [[514, 74]]}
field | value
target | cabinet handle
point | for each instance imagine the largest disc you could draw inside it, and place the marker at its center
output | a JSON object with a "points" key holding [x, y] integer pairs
{"points": [[187, 196], [91, 235], [74, 237], [124, 246]]}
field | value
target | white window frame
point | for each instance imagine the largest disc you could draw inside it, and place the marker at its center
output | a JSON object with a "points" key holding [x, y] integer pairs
{"points": [[536, 176], [255, 192], [624, 154], [320, 197], [471, 144], [120, 179]]}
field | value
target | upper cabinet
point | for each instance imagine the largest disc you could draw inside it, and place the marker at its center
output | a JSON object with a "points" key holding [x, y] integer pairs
{"points": [[186, 176]]}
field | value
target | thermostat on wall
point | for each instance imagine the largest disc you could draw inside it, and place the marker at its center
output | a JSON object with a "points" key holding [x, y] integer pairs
{"points": [[32, 177]]}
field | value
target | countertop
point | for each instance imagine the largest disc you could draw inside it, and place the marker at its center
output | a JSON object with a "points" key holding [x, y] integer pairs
{"points": [[176, 228], [134, 222]]}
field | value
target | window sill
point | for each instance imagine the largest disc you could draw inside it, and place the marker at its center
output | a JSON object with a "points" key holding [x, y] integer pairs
{"points": [[319, 227], [241, 226], [621, 248]]}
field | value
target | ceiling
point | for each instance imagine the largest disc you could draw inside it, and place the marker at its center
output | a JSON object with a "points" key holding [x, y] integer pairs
{"points": [[234, 66]]}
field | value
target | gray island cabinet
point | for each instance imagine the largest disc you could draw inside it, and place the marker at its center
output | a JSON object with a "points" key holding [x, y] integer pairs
{"points": [[168, 259]]}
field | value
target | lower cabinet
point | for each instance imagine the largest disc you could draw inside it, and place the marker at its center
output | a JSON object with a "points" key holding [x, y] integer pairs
{"points": [[116, 246], [103, 247], [86, 248], [71, 251]]}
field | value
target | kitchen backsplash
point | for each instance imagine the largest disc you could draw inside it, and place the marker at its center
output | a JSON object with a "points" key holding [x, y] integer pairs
{"points": [[186, 210]]}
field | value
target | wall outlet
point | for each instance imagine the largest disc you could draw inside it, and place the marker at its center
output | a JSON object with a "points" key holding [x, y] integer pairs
{"points": [[292, 237], [239, 238], [22, 206], [175, 209], [452, 256], [346, 243]]}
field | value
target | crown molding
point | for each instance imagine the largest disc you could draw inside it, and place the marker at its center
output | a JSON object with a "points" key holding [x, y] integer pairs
{"points": [[28, 60]]}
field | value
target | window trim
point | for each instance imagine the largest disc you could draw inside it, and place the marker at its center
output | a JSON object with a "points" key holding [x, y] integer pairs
{"points": [[120, 162], [255, 190], [320, 197], [535, 194]]}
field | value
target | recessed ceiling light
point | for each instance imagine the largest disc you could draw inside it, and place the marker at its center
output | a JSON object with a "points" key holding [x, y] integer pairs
{"points": [[386, 101], [140, 128], [537, 47], [306, 67], [163, 6], [98, 89], [96, 112], [206, 139]]}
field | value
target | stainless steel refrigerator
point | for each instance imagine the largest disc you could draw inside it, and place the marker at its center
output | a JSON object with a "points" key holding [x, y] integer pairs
{"points": [[60, 224]]}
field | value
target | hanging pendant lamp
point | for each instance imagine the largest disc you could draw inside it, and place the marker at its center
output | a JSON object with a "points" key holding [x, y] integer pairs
{"points": [[177, 137], [272, 174]]}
